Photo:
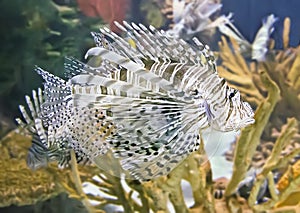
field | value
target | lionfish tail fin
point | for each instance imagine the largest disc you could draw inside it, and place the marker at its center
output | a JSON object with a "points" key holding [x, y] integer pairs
{"points": [[37, 154]]}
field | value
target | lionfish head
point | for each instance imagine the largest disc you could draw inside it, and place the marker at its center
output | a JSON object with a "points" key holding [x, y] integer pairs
{"points": [[234, 115], [240, 112]]}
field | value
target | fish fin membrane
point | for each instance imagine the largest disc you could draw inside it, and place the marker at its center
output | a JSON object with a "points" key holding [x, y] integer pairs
{"points": [[58, 99]]}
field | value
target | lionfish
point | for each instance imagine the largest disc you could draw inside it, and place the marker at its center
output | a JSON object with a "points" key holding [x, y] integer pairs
{"points": [[147, 103], [259, 48], [192, 18]]}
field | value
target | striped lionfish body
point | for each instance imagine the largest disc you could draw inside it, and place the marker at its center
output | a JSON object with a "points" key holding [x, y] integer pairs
{"points": [[147, 104]]}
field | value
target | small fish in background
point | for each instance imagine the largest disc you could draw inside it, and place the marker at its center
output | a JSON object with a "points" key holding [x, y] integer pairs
{"points": [[193, 18], [246, 185], [258, 49], [147, 103]]}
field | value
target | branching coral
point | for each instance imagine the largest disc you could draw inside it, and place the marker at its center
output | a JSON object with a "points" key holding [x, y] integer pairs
{"points": [[239, 74], [274, 161], [282, 67], [155, 194], [250, 136], [277, 77], [289, 186]]}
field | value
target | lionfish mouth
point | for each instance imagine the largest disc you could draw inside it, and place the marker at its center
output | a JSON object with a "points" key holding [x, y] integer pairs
{"points": [[238, 126], [245, 122]]}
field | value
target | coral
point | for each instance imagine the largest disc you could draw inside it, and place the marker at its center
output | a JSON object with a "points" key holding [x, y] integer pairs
{"points": [[21, 186], [239, 74], [275, 161], [289, 185], [32, 186], [250, 136], [282, 67], [155, 193], [272, 87]]}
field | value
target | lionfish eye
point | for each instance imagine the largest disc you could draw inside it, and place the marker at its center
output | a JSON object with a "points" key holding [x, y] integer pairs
{"points": [[195, 92], [232, 94]]}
